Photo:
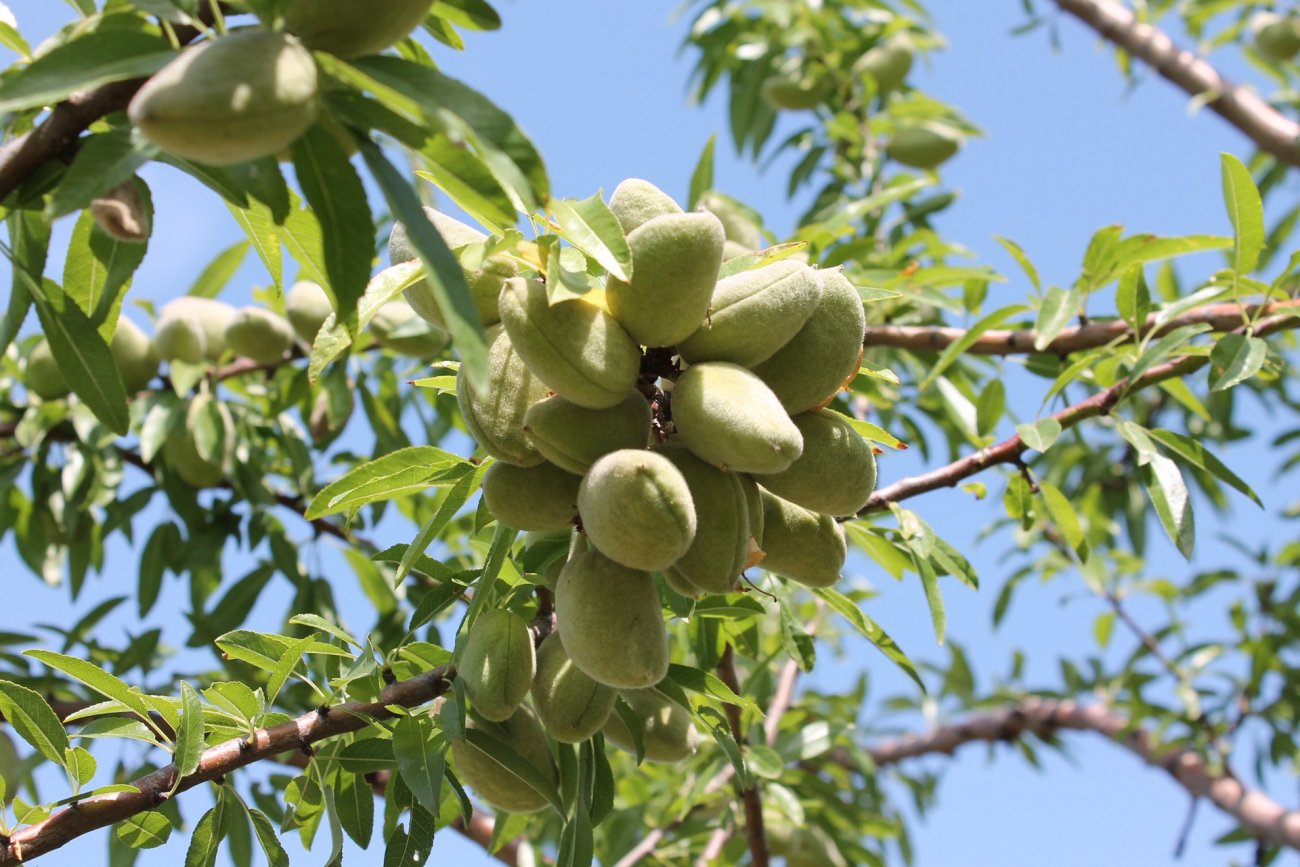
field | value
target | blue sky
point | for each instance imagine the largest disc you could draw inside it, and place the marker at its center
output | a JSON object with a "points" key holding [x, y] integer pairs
{"points": [[1069, 148]]}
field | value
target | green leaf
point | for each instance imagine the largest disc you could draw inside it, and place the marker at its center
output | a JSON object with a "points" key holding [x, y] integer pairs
{"points": [[458, 496], [284, 666], [189, 737], [957, 347], [1196, 454], [796, 641], [1168, 492], [1133, 299], [29, 233], [338, 200], [34, 721], [355, 801], [702, 177], [103, 161], [1235, 359], [257, 224], [990, 406], [315, 621], [471, 14], [205, 841], [144, 830], [1245, 210], [219, 271], [1097, 259], [1022, 259], [708, 683], [420, 760], [158, 552], [81, 766], [873, 432], [870, 630], [333, 339], [468, 182], [1039, 435], [1063, 515], [933, 596], [269, 840], [98, 57], [1059, 306], [98, 271], [591, 226], [397, 474], [96, 678], [1102, 628], [443, 272]]}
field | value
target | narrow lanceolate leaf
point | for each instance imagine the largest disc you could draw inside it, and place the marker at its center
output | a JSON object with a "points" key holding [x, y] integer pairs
{"points": [[951, 352], [257, 224], [219, 271], [205, 842], [870, 630], [397, 474], [1059, 306], [145, 830], [1196, 454], [1246, 211], [99, 57], [467, 181], [285, 665], [419, 759], [83, 356], [268, 839], [445, 276], [1063, 514], [1168, 492], [189, 737], [29, 236], [34, 721], [1133, 298], [591, 226], [98, 270], [933, 596], [333, 339], [702, 177], [1022, 259], [1039, 435], [1235, 359], [338, 201], [96, 678], [355, 801], [708, 683], [458, 496]]}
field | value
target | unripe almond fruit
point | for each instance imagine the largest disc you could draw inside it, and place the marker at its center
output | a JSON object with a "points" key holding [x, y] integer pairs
{"points": [[636, 508], [574, 437], [238, 97], [133, 354], [728, 417], [636, 202], [805, 546], [675, 259], [497, 663], [492, 781], [721, 545], [307, 306], [537, 498], [573, 346], [925, 145], [669, 734], [494, 414], [836, 472], [610, 621], [354, 28], [887, 63], [259, 334], [754, 313], [571, 706], [42, 375], [396, 327]]}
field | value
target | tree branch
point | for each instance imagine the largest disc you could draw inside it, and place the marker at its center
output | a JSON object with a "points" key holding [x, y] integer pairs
{"points": [[1220, 317], [1010, 450], [1264, 125], [1258, 814]]}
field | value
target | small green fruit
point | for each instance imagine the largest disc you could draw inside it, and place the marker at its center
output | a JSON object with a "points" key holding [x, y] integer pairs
{"points": [[754, 313], [924, 145], [721, 545], [675, 260], [494, 414], [307, 306], [737, 224], [636, 508], [134, 355], [354, 28], [888, 63], [574, 437], [182, 455], [192, 329], [801, 545], [570, 704], [573, 346], [539, 498], [728, 417], [816, 363], [836, 472], [259, 334], [669, 734], [396, 327], [636, 202], [42, 375], [238, 97], [492, 781], [497, 663], [1276, 36], [484, 282], [610, 622], [796, 93]]}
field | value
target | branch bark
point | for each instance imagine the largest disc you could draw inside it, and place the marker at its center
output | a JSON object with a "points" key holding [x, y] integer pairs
{"points": [[1258, 814], [1268, 128], [1220, 317], [1009, 451]]}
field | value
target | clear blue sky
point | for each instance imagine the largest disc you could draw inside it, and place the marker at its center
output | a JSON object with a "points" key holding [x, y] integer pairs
{"points": [[601, 88]]}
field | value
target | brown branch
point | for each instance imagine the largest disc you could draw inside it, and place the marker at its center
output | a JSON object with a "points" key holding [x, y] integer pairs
{"points": [[1220, 317], [1264, 125], [1009, 451], [1257, 813], [217, 762]]}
